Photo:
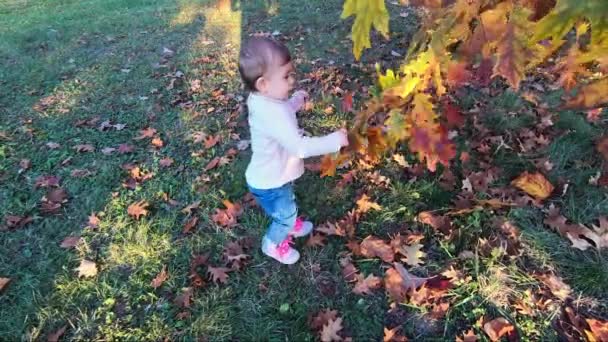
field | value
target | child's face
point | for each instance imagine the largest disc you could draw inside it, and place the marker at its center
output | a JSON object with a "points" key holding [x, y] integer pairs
{"points": [[278, 82]]}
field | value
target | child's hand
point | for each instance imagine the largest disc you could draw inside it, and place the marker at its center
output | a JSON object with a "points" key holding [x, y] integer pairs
{"points": [[343, 136], [302, 94]]}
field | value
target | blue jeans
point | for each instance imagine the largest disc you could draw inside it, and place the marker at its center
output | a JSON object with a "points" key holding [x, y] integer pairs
{"points": [[280, 205]]}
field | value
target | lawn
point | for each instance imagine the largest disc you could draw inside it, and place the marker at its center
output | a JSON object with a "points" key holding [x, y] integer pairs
{"points": [[105, 104]]}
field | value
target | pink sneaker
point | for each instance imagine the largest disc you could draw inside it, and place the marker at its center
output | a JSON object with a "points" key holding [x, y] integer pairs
{"points": [[281, 252], [301, 228]]}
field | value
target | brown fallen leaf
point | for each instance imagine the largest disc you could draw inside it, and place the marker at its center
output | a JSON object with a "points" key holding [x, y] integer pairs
{"points": [[469, 336], [52, 145], [160, 278], [349, 271], [25, 164], [56, 335], [323, 317], [125, 148], [84, 148], [218, 274], [3, 283], [315, 240], [366, 285], [81, 173], [14, 221], [70, 242], [497, 328], [212, 164], [190, 224], [166, 162], [330, 331], [188, 209], [183, 300], [556, 285], [138, 209], [87, 268], [47, 181], [93, 221], [602, 147], [373, 246], [534, 184], [145, 133]]}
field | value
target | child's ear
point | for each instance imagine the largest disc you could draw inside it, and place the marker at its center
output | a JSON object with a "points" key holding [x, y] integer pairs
{"points": [[261, 84]]}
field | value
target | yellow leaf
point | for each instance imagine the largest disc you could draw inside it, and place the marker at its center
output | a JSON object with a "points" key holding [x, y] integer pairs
{"points": [[367, 13], [591, 95], [387, 81], [534, 184]]}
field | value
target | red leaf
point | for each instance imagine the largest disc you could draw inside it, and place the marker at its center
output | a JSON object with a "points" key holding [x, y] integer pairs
{"points": [[347, 102]]}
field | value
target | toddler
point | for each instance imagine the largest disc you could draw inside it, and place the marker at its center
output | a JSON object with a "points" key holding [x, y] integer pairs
{"points": [[277, 143]]}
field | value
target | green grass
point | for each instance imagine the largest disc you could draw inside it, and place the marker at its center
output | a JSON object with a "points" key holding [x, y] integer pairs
{"points": [[106, 58]]}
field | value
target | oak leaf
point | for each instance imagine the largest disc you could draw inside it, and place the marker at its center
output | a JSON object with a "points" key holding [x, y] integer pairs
{"points": [[412, 254], [367, 284], [364, 204], [146, 133], [87, 268], [372, 246], [218, 274], [190, 224], [330, 331], [138, 209]]}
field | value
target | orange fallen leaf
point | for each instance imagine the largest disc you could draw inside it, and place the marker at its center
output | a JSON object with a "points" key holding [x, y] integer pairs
{"points": [[390, 335], [534, 184], [364, 204], [157, 142], [599, 329], [145, 133], [87, 268], [211, 140], [160, 278], [497, 328], [138, 209]]}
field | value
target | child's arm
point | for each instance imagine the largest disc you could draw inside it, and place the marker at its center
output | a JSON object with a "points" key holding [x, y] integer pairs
{"points": [[297, 100], [285, 131]]}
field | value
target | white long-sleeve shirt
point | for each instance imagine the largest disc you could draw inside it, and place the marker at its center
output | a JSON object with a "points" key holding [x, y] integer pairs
{"points": [[278, 145]]}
